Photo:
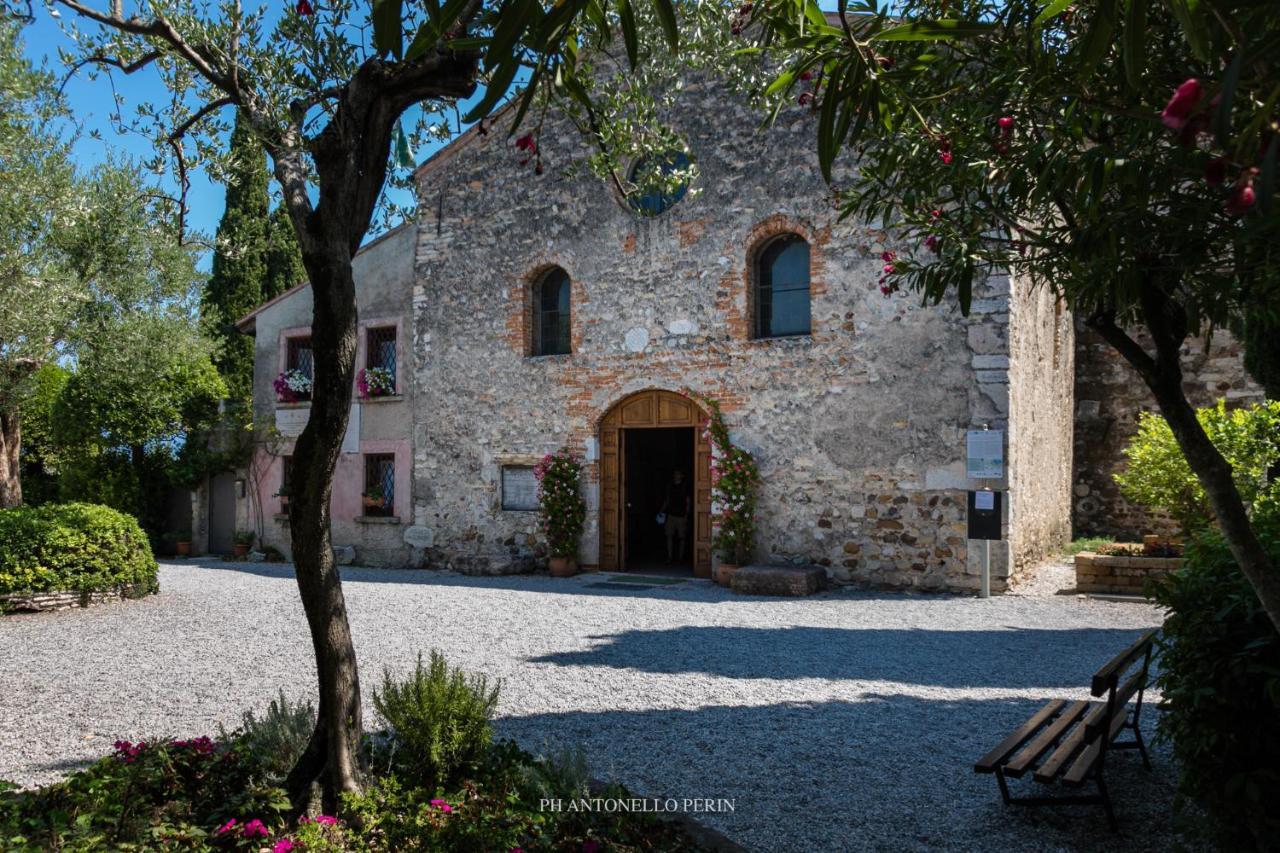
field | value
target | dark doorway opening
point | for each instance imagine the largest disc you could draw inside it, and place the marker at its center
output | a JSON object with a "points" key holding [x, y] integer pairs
{"points": [[652, 458]]}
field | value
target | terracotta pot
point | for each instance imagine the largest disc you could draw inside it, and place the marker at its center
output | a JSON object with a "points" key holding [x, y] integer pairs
{"points": [[563, 567], [240, 550], [724, 572], [182, 548]]}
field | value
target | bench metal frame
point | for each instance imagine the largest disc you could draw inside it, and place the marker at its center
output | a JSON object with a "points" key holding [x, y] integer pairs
{"points": [[1106, 681]]}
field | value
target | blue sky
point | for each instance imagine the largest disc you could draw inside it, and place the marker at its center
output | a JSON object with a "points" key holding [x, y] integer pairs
{"points": [[91, 104]]}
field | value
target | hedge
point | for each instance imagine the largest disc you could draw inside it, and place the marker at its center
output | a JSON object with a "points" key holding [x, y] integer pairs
{"points": [[73, 546]]}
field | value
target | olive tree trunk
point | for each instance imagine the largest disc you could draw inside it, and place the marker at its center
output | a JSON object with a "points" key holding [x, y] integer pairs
{"points": [[10, 444], [1162, 373], [349, 161]]}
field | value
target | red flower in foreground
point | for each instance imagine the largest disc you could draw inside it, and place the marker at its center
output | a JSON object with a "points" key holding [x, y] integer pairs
{"points": [[806, 98], [945, 157], [1005, 123], [304, 8], [1242, 198], [527, 143], [1179, 108]]}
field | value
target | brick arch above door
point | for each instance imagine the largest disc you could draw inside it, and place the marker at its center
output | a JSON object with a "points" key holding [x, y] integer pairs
{"points": [[651, 409]]}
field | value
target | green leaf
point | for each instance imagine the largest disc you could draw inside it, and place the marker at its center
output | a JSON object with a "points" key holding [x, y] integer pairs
{"points": [[387, 27], [783, 81], [1222, 115], [940, 30], [1051, 10], [628, 20], [1188, 14], [667, 17], [1135, 41], [512, 24], [499, 83], [1097, 39], [828, 145]]}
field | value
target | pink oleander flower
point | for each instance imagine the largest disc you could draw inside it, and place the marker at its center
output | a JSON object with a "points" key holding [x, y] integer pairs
{"points": [[888, 255], [1184, 100], [1242, 198], [284, 845], [945, 157], [1005, 123], [932, 243], [226, 827], [442, 805], [255, 829]]}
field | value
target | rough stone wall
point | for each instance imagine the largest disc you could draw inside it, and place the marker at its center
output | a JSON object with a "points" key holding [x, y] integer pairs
{"points": [[1109, 398], [858, 427], [1041, 377]]}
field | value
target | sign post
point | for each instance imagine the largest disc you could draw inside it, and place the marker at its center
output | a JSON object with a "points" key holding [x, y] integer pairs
{"points": [[985, 461]]}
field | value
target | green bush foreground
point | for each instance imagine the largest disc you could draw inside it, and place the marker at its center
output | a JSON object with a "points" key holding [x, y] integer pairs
{"points": [[224, 793], [74, 546], [1220, 680]]}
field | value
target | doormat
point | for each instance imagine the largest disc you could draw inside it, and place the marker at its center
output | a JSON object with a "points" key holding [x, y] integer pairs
{"points": [[647, 580], [634, 582]]}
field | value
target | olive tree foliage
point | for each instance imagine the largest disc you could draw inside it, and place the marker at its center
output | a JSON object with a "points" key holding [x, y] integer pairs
{"points": [[329, 89], [1121, 153], [83, 256]]}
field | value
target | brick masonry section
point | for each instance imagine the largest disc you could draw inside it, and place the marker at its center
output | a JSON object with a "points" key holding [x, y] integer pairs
{"points": [[1121, 575]]}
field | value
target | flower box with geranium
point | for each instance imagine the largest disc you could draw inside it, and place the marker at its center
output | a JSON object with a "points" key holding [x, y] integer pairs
{"points": [[376, 382], [735, 480], [563, 511], [293, 386]]}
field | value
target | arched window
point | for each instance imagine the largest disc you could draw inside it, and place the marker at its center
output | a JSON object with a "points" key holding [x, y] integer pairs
{"points": [[782, 288], [551, 314]]}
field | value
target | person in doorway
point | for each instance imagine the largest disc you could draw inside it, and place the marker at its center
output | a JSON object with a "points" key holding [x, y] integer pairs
{"points": [[677, 507]]}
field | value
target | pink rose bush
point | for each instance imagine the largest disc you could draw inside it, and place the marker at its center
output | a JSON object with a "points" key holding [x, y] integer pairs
{"points": [[563, 510]]}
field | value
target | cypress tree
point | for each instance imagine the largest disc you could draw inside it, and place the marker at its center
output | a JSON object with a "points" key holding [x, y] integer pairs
{"points": [[284, 261], [239, 262]]}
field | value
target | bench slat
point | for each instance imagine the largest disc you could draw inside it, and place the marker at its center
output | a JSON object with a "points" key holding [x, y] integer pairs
{"points": [[1080, 769], [1047, 737], [1123, 695], [992, 759], [1114, 668], [1048, 771]]}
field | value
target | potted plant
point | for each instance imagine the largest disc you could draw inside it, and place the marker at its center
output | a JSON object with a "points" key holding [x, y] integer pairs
{"points": [[563, 511], [241, 541], [292, 386], [182, 543], [373, 498], [734, 481], [376, 382]]}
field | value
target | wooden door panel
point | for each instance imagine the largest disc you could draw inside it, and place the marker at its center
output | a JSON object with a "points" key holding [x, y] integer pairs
{"points": [[675, 411], [638, 411]]}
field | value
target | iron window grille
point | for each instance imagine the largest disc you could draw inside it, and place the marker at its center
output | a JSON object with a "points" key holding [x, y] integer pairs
{"points": [[379, 484], [552, 311], [380, 350], [782, 288], [299, 357]]}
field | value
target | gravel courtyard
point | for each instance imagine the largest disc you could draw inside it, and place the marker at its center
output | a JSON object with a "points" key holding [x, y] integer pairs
{"points": [[848, 721]]}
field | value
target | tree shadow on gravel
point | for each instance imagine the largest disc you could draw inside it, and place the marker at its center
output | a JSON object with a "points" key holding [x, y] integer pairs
{"points": [[889, 772], [1015, 657]]}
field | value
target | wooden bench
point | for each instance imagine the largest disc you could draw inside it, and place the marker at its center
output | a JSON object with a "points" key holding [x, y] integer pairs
{"points": [[1066, 743]]}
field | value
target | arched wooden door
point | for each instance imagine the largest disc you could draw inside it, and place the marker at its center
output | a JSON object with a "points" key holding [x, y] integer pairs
{"points": [[646, 410]]}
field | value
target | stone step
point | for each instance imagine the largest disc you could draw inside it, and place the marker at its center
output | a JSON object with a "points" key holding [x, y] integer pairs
{"points": [[778, 580]]}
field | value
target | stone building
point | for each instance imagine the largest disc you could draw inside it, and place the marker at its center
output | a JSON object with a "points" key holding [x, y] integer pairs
{"points": [[531, 310]]}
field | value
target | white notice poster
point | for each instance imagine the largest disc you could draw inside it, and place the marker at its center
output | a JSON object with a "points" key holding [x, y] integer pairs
{"points": [[985, 454], [984, 500]]}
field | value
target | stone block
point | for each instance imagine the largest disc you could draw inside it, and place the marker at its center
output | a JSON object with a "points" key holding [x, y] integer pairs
{"points": [[418, 536], [778, 580], [344, 555]]}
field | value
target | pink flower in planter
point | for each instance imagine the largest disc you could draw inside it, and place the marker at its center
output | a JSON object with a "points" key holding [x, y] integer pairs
{"points": [[284, 845], [1184, 99], [226, 827]]}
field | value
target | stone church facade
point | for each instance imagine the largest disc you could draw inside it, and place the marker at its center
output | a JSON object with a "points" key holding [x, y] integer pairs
{"points": [[538, 311]]}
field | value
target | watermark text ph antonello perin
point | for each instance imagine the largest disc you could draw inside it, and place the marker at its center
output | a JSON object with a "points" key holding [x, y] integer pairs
{"points": [[638, 804]]}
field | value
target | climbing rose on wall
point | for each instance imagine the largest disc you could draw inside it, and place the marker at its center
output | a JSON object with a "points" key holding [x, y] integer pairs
{"points": [[735, 479]]}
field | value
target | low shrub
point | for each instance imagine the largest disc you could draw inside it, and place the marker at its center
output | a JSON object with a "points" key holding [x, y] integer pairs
{"points": [[1157, 474], [439, 721], [279, 736], [1220, 678], [74, 546]]}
